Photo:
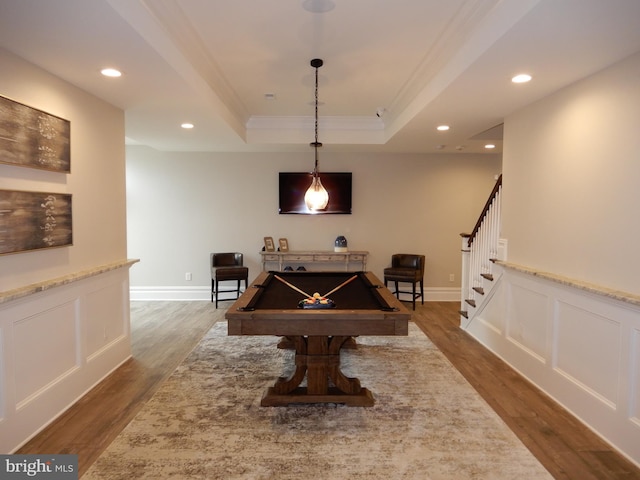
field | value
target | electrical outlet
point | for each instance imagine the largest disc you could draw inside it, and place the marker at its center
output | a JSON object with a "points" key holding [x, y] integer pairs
{"points": [[187, 276], [452, 277]]}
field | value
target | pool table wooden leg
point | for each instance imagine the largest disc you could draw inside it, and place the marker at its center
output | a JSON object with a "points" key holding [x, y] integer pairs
{"points": [[318, 358]]}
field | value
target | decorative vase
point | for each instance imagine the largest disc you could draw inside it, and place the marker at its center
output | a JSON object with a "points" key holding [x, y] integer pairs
{"points": [[340, 244]]}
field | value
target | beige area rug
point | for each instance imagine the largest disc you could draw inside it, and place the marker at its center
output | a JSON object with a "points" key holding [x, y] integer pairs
{"points": [[205, 421]]}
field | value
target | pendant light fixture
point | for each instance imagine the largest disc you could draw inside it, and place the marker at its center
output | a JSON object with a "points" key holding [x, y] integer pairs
{"points": [[316, 197]]}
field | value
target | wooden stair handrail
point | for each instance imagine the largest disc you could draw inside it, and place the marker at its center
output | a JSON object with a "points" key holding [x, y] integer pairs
{"points": [[492, 197]]}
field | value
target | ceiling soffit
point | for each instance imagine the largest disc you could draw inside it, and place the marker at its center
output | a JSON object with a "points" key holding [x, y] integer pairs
{"points": [[470, 28]]}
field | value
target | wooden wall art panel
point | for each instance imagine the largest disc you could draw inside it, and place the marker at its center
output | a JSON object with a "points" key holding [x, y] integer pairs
{"points": [[32, 138]]}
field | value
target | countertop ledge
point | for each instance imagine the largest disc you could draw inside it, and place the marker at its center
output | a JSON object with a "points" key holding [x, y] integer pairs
{"points": [[20, 292], [626, 297]]}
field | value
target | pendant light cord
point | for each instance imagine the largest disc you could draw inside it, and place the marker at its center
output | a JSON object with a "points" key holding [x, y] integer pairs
{"points": [[316, 198], [315, 144]]}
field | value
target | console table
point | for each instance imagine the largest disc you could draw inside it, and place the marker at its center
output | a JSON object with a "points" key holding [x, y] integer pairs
{"points": [[320, 258]]}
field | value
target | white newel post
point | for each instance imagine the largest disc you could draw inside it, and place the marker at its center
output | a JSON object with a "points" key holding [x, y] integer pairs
{"points": [[464, 276]]}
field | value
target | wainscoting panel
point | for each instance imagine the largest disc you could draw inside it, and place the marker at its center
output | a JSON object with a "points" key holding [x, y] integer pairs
{"points": [[586, 351], [3, 378], [58, 339], [48, 349], [531, 336], [578, 343], [635, 377], [106, 318]]}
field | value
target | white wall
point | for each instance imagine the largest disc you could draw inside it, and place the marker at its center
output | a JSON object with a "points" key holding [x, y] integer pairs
{"points": [[182, 206], [96, 180], [559, 314], [571, 179], [64, 312]]}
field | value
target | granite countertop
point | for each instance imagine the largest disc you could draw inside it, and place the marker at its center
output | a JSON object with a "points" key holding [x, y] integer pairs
{"points": [[20, 292], [627, 297]]}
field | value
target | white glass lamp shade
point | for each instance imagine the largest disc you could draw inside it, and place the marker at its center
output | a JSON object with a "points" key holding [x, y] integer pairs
{"points": [[316, 197]]}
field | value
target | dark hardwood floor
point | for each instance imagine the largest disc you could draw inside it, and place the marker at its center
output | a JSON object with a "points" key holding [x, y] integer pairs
{"points": [[566, 448], [163, 334]]}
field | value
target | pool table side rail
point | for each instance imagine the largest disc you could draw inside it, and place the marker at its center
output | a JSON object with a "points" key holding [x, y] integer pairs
{"points": [[317, 322], [311, 326]]}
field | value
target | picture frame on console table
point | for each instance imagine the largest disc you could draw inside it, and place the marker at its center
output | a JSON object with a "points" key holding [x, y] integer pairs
{"points": [[269, 246], [283, 244], [34, 221], [33, 138]]}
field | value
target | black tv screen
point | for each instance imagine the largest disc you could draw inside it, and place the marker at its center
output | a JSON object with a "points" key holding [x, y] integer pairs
{"points": [[293, 186]]}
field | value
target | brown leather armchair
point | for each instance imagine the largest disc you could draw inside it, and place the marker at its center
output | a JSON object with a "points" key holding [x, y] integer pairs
{"points": [[227, 267], [406, 268]]}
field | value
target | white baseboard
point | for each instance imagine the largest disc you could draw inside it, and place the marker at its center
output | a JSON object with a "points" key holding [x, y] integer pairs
{"points": [[203, 293], [442, 294], [185, 294], [435, 294]]}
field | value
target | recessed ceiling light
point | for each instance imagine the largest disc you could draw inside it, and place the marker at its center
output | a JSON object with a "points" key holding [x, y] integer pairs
{"points": [[187, 125], [318, 6], [489, 146], [111, 72], [521, 78], [442, 128]]}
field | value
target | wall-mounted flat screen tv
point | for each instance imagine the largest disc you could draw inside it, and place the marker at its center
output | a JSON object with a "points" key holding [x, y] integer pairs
{"points": [[293, 186]]}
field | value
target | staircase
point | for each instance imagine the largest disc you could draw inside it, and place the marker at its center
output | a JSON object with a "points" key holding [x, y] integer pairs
{"points": [[480, 249]]}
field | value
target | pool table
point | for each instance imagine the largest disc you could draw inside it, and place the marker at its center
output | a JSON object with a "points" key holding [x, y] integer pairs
{"points": [[358, 304]]}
